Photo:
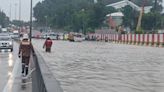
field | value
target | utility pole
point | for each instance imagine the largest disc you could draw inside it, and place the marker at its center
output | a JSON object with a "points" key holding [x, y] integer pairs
{"points": [[20, 10], [15, 11], [83, 25], [46, 26], [20, 16], [10, 11], [30, 20]]}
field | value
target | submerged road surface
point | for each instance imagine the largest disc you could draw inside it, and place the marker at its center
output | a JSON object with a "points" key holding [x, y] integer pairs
{"points": [[105, 67]]}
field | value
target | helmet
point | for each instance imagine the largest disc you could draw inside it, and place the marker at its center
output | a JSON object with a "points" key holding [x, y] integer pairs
{"points": [[25, 36], [48, 38]]}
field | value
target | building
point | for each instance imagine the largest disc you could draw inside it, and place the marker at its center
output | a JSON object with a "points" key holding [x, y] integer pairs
{"points": [[115, 19], [124, 3]]}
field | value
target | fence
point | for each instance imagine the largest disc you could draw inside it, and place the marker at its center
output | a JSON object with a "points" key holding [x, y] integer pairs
{"points": [[139, 39], [42, 78]]}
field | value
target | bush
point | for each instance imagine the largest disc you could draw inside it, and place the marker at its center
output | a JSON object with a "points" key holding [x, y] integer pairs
{"points": [[140, 31], [90, 30]]}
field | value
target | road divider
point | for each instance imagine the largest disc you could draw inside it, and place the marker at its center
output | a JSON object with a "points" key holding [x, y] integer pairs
{"points": [[42, 78]]}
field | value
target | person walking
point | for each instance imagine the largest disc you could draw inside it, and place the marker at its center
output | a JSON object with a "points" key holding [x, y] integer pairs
{"points": [[48, 44], [25, 50]]}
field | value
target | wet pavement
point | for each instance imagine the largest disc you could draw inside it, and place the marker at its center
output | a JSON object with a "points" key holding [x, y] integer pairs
{"points": [[10, 75], [7, 61], [105, 67]]}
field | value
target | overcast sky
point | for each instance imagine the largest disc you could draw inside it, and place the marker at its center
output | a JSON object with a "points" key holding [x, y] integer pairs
{"points": [[25, 8], [14, 4]]}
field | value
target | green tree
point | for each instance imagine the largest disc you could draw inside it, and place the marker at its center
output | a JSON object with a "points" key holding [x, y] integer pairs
{"points": [[148, 22], [68, 14], [130, 17], [4, 20]]}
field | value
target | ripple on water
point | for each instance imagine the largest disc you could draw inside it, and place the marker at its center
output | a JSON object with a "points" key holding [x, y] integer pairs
{"points": [[106, 67]]}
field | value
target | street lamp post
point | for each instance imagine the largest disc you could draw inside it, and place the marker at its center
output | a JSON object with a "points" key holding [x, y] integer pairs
{"points": [[31, 21], [83, 26], [20, 10], [20, 26], [15, 11], [46, 26]]}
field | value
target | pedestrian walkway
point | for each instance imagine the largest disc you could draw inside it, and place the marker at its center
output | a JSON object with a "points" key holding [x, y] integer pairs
{"points": [[14, 83]]}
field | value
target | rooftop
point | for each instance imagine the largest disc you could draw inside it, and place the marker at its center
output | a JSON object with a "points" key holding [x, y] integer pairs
{"points": [[123, 3]]}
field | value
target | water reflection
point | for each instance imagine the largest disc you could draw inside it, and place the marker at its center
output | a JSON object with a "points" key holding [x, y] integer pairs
{"points": [[5, 50], [10, 61], [9, 73]]}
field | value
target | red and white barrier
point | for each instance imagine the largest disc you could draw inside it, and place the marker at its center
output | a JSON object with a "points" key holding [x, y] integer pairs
{"points": [[117, 38], [126, 38], [109, 37], [161, 42], [129, 38], [122, 38], [156, 40], [150, 39], [137, 38], [147, 39], [141, 39], [133, 38]]}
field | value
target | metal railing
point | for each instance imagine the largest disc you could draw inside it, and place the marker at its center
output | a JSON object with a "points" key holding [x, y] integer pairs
{"points": [[42, 78]]}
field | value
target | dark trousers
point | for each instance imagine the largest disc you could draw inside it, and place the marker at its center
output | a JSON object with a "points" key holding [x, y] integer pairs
{"points": [[25, 63], [48, 49]]}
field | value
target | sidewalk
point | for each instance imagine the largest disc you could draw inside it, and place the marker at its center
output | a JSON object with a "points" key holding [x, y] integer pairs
{"points": [[14, 83], [17, 87]]}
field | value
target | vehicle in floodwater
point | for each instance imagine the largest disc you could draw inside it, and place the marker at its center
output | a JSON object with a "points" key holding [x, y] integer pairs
{"points": [[76, 37]]}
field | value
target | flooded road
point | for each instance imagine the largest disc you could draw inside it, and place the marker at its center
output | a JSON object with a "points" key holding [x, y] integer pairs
{"points": [[105, 67], [7, 62]]}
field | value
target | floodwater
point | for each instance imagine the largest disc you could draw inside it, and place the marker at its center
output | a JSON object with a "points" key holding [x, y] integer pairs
{"points": [[105, 67]]}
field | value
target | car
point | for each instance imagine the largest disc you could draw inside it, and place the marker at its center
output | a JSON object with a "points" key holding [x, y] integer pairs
{"points": [[76, 37], [6, 41], [53, 36], [61, 36], [43, 36]]}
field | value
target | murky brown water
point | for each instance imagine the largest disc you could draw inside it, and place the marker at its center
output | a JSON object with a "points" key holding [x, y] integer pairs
{"points": [[105, 67]]}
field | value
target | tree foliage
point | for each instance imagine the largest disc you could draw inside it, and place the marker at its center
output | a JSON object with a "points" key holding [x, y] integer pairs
{"points": [[150, 21], [74, 14], [130, 17], [4, 20], [83, 15]]}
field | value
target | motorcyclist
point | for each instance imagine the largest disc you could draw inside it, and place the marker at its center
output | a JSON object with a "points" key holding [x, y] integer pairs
{"points": [[48, 44], [25, 50]]}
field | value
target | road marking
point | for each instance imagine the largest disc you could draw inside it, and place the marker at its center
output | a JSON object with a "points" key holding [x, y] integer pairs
{"points": [[10, 81]]}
